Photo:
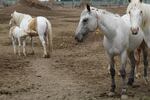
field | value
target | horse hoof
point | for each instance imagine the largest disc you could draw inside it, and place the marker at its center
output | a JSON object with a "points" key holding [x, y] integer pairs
{"points": [[130, 82], [146, 81], [138, 75], [111, 94], [32, 53], [46, 56], [124, 97]]}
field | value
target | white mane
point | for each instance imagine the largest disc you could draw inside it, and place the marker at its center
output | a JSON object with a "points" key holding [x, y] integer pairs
{"points": [[18, 17]]}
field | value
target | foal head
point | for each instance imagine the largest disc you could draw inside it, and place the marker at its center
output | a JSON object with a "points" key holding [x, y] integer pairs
{"points": [[88, 23], [12, 22]]}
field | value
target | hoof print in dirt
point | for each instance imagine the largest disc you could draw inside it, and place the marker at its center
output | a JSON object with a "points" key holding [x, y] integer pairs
{"points": [[46, 56]]}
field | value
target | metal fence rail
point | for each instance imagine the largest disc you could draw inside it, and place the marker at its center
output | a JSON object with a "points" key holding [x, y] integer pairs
{"points": [[97, 2]]}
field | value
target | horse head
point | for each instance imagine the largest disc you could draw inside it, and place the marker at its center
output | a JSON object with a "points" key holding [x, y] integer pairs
{"points": [[88, 23], [136, 17]]}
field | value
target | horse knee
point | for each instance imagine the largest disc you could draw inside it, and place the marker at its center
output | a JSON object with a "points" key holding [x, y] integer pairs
{"points": [[123, 73]]}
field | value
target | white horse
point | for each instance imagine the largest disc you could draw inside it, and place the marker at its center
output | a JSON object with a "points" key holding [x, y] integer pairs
{"points": [[17, 35], [140, 18], [118, 39], [39, 26]]}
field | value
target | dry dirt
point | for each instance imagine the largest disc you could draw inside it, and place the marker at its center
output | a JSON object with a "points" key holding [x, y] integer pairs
{"points": [[75, 71]]}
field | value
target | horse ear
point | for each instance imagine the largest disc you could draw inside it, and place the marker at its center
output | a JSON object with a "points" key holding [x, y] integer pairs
{"points": [[12, 14], [88, 7], [129, 0]]}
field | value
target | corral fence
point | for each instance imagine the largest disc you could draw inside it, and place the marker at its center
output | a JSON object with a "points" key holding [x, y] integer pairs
{"points": [[7, 2], [4, 3], [75, 3]]}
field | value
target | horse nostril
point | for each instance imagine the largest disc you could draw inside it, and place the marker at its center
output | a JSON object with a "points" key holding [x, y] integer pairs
{"points": [[135, 33], [138, 29], [76, 38], [135, 30]]}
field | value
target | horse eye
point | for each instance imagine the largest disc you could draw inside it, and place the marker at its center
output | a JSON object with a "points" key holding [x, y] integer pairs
{"points": [[85, 20], [129, 12], [141, 12]]}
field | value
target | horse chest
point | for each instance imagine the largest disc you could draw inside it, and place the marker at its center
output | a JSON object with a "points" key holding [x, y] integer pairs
{"points": [[113, 47]]}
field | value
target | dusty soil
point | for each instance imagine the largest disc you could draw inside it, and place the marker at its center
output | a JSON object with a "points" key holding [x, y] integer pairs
{"points": [[75, 71]]}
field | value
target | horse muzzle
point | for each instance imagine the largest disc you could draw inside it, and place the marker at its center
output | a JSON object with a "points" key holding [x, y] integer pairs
{"points": [[135, 31], [78, 39]]}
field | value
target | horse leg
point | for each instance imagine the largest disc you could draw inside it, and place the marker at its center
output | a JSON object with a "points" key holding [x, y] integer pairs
{"points": [[137, 57], [44, 46], [14, 45], [32, 46], [145, 61], [132, 71], [112, 73], [123, 74], [19, 46], [24, 49]]}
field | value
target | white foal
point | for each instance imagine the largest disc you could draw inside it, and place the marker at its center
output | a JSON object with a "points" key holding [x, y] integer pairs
{"points": [[18, 35]]}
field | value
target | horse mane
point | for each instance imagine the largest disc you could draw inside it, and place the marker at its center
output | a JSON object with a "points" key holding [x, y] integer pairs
{"points": [[19, 16], [109, 13]]}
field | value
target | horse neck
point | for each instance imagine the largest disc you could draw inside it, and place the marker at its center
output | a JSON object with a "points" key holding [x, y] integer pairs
{"points": [[20, 18], [108, 28]]}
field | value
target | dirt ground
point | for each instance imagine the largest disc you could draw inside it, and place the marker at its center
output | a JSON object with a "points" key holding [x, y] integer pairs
{"points": [[75, 71]]}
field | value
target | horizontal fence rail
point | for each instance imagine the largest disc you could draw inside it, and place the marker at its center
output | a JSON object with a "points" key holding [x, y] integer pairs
{"points": [[96, 2]]}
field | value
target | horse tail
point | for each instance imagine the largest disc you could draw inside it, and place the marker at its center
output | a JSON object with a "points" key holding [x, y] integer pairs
{"points": [[50, 37]]}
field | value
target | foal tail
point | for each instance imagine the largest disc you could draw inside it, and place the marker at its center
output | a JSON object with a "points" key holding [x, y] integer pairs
{"points": [[50, 37]]}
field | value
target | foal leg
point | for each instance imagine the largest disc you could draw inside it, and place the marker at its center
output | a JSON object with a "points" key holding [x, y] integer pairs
{"points": [[112, 73], [132, 71], [44, 46], [145, 61], [123, 74], [24, 49], [19, 46], [14, 45]]}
